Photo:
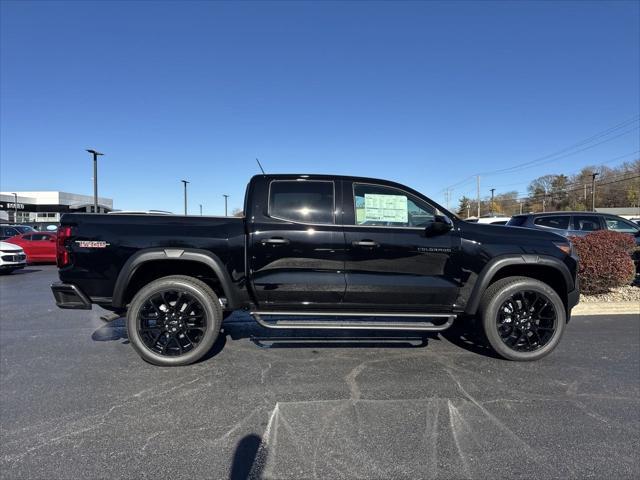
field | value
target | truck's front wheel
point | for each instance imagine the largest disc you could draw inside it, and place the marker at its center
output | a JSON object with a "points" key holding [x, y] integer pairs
{"points": [[523, 318], [174, 320]]}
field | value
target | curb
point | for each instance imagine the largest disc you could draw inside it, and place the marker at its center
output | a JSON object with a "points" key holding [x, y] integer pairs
{"points": [[606, 308]]}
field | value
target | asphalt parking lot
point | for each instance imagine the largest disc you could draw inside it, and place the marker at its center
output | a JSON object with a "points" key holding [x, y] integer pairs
{"points": [[77, 402]]}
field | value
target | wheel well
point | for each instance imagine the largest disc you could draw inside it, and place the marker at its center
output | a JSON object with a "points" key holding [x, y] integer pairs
{"points": [[150, 271], [548, 275]]}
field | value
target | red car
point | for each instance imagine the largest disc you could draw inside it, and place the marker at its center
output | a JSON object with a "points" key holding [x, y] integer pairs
{"points": [[40, 247]]}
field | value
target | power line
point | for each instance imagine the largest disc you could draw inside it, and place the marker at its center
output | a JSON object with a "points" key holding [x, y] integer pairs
{"points": [[585, 141], [556, 157], [600, 184], [563, 153]]}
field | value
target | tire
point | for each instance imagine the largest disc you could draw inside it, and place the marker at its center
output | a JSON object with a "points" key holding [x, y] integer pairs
{"points": [[184, 331], [512, 306]]}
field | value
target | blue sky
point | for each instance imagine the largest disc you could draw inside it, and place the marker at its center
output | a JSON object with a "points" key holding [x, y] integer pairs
{"points": [[421, 93]]}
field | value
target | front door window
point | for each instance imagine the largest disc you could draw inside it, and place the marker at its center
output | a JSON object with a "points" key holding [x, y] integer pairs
{"points": [[388, 207]]}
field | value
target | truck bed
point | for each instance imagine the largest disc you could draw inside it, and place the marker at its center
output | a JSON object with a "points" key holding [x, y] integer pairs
{"points": [[101, 244]]}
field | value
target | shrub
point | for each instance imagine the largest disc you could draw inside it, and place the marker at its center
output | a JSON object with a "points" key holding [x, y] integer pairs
{"points": [[605, 261]]}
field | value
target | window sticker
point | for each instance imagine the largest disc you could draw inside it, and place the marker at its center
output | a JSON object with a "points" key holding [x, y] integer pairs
{"points": [[385, 208]]}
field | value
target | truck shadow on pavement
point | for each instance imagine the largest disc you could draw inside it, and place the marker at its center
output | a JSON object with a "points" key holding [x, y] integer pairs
{"points": [[240, 327]]}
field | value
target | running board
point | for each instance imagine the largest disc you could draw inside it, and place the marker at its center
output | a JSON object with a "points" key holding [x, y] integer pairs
{"points": [[272, 342], [425, 325]]}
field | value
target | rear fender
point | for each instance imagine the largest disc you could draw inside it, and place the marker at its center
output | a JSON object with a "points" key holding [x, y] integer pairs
{"points": [[154, 254]]}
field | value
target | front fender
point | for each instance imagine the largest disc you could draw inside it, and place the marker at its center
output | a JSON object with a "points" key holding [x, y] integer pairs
{"points": [[492, 268]]}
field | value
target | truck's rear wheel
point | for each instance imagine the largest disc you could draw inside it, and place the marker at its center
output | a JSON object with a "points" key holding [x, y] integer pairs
{"points": [[523, 318], [174, 320]]}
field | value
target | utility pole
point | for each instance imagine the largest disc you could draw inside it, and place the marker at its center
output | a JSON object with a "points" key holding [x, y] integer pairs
{"points": [[95, 178], [225, 204], [593, 191], [478, 193], [200, 209], [544, 204], [491, 209], [520, 202], [185, 182], [468, 209]]}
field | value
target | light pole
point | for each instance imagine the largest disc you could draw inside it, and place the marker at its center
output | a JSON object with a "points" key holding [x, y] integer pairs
{"points": [[185, 195], [200, 209], [492, 190], [225, 204], [95, 178], [15, 207], [520, 202], [593, 191]]}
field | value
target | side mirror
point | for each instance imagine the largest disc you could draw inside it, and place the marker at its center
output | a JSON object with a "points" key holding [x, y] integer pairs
{"points": [[440, 225]]}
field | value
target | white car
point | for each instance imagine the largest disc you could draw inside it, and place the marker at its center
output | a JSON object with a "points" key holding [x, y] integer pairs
{"points": [[490, 220], [12, 257]]}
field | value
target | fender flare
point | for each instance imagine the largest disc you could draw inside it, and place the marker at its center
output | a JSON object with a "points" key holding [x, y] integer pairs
{"points": [[147, 255], [495, 265]]}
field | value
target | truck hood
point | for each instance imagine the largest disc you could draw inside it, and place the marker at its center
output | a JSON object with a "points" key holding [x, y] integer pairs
{"points": [[510, 234]]}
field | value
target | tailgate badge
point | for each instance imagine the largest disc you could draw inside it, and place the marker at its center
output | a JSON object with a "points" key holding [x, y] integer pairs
{"points": [[92, 244]]}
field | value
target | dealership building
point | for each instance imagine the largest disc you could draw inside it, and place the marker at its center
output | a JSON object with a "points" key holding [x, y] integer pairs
{"points": [[45, 207]]}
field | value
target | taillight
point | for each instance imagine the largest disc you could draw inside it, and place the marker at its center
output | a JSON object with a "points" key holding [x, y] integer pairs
{"points": [[62, 254]]}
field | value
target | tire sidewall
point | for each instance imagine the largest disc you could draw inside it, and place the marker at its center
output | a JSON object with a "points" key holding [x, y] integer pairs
{"points": [[213, 314], [491, 311]]}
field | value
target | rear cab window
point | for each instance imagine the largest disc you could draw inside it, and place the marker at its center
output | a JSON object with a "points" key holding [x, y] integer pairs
{"points": [[560, 222], [586, 223], [306, 201]]}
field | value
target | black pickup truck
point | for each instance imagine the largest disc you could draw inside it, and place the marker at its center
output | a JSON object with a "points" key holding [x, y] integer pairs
{"points": [[318, 252]]}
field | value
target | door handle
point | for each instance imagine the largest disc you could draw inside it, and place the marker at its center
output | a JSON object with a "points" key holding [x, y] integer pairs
{"points": [[274, 241], [366, 243]]}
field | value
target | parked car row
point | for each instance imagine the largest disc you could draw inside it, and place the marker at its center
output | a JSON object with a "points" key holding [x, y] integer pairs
{"points": [[8, 231], [22, 244], [576, 224]]}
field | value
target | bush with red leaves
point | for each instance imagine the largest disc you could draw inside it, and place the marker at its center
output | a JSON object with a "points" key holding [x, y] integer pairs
{"points": [[605, 261]]}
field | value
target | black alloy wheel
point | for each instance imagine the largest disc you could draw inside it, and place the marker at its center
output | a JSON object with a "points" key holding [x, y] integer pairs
{"points": [[172, 322], [522, 318], [526, 321]]}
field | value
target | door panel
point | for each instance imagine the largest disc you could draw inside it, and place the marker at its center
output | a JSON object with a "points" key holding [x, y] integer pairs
{"points": [[405, 269], [307, 269], [391, 261], [298, 264]]}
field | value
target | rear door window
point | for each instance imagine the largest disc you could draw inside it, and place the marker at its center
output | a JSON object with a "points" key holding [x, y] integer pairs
{"points": [[308, 201], [586, 223], [559, 221]]}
